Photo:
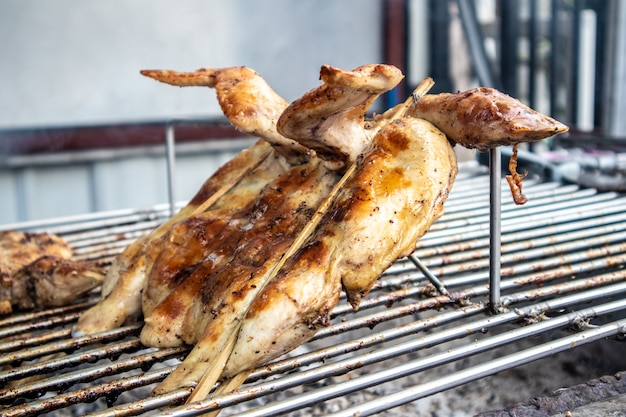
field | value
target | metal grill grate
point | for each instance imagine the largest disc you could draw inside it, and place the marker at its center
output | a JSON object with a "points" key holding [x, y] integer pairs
{"points": [[563, 259]]}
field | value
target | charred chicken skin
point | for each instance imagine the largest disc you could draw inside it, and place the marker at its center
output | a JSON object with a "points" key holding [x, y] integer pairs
{"points": [[324, 203]]}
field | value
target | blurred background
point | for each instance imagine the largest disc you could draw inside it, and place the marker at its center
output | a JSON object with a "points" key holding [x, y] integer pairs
{"points": [[82, 131]]}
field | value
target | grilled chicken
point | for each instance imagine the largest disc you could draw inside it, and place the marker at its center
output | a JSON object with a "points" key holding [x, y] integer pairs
{"points": [[36, 271], [206, 254], [484, 118], [21, 248], [125, 280], [255, 263], [252, 107], [397, 192], [51, 281]]}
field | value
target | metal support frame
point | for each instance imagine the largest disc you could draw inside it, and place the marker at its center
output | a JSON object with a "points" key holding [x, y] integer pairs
{"points": [[170, 158], [484, 72]]}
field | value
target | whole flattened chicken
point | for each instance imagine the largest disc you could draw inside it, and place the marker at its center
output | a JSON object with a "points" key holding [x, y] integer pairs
{"points": [[363, 233], [253, 266]]}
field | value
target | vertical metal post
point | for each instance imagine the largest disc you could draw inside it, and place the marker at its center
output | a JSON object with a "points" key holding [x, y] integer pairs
{"points": [[170, 160], [485, 75], [495, 228], [555, 74]]}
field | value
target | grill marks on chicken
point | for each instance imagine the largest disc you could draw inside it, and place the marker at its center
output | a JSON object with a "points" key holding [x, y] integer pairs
{"points": [[283, 209], [244, 243], [377, 217], [236, 184]]}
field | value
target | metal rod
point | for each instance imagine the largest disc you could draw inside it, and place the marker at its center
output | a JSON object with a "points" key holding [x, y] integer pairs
{"points": [[431, 277], [170, 160], [495, 227]]}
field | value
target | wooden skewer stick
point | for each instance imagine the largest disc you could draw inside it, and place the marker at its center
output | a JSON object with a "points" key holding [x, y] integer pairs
{"points": [[227, 386], [230, 184], [208, 380], [422, 89]]}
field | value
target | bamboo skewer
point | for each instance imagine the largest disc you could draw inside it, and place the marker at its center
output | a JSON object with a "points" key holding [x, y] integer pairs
{"points": [[230, 184]]}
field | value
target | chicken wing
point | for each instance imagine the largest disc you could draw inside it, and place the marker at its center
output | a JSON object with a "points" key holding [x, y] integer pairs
{"points": [[330, 119], [247, 101]]}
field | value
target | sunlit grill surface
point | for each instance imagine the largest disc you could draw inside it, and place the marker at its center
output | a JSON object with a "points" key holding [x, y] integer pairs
{"points": [[563, 257]]}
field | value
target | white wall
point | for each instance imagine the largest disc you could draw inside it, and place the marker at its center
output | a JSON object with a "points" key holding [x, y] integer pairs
{"points": [[72, 62], [77, 62]]}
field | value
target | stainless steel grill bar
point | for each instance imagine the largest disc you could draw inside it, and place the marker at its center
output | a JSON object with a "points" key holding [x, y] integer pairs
{"points": [[111, 389], [441, 336], [371, 379], [65, 361], [481, 371], [564, 248], [70, 344], [53, 321], [91, 374]]}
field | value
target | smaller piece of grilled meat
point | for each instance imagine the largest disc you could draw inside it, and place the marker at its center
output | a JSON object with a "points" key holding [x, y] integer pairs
{"points": [[36, 271], [51, 281]]}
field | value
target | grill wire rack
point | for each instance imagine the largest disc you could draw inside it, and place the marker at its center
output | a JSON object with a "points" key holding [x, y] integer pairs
{"points": [[562, 286]]}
